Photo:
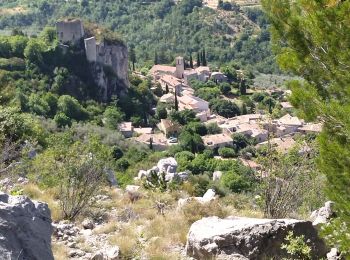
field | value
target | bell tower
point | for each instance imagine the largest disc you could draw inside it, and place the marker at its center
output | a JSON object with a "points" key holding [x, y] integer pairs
{"points": [[179, 73]]}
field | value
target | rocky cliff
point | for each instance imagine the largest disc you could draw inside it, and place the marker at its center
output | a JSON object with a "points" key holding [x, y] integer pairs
{"points": [[110, 70]]}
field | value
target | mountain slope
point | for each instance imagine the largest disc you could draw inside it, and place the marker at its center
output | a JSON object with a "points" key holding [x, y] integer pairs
{"points": [[162, 27]]}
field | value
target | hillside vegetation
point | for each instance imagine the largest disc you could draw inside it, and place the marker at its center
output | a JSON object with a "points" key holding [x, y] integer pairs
{"points": [[235, 33]]}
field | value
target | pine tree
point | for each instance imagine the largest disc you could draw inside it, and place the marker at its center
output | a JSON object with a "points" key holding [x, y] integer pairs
{"points": [[191, 61], [166, 89], [310, 38], [176, 102], [198, 59]]}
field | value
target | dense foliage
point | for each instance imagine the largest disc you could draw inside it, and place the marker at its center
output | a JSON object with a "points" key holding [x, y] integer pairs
{"points": [[161, 27], [312, 39]]}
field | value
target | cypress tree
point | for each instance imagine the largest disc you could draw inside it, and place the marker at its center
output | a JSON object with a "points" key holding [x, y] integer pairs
{"points": [[191, 61], [151, 143], [133, 57], [166, 89], [243, 87], [244, 109], [204, 59], [155, 58], [198, 59], [176, 102]]}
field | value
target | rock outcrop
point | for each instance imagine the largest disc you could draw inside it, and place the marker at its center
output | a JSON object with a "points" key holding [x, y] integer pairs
{"points": [[240, 238], [110, 70], [166, 166], [25, 228], [323, 215], [209, 196]]}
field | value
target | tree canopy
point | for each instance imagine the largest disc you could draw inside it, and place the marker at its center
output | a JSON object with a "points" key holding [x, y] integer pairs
{"points": [[312, 39]]}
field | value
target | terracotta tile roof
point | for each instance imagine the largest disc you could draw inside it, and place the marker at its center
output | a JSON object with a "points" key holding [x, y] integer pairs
{"points": [[162, 68], [216, 139]]}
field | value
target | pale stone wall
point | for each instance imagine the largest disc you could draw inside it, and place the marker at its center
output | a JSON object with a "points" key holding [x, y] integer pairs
{"points": [[179, 73], [70, 31], [90, 49]]}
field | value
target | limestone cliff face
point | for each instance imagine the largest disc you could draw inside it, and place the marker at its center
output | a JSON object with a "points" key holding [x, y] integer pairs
{"points": [[111, 69]]}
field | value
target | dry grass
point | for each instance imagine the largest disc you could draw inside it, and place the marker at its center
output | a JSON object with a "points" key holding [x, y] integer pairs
{"points": [[107, 228], [127, 240], [48, 196], [13, 11], [59, 251]]}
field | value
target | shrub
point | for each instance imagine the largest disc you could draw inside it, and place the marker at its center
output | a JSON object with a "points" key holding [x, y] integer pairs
{"points": [[111, 117], [237, 181], [226, 152], [62, 120], [79, 171], [296, 247]]}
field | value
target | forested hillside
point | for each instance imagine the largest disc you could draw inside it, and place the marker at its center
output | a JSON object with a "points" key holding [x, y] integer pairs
{"points": [[161, 27]]}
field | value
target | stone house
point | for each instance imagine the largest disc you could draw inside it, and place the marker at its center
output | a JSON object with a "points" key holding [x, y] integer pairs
{"points": [[169, 128], [217, 141], [193, 103], [174, 84]]}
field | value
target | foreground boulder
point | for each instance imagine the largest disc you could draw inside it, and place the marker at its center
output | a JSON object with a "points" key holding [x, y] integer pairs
{"points": [[239, 238], [25, 229]]}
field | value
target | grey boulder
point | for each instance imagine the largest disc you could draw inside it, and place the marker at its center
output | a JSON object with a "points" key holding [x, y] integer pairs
{"points": [[239, 238], [323, 215], [25, 229]]}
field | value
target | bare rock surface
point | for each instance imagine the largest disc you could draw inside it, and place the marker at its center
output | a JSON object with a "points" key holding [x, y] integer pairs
{"points": [[248, 238], [25, 228], [323, 215]]}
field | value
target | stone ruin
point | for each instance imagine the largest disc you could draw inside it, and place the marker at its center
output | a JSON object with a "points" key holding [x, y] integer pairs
{"points": [[100, 55]]}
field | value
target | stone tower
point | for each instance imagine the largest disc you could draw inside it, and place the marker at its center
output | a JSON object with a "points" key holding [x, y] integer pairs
{"points": [[70, 31], [179, 73]]}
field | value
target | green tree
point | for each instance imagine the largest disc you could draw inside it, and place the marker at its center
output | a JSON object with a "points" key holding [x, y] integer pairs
{"points": [[204, 59], [176, 106], [198, 59], [166, 89], [191, 141], [224, 108], [191, 61], [112, 117], [243, 87], [71, 108], [34, 51], [132, 56], [309, 37], [156, 59], [240, 141], [62, 120]]}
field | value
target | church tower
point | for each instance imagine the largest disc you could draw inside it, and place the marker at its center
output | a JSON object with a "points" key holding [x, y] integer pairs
{"points": [[179, 73]]}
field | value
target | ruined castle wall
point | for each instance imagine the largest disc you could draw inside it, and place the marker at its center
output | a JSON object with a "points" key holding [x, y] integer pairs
{"points": [[90, 49], [70, 31]]}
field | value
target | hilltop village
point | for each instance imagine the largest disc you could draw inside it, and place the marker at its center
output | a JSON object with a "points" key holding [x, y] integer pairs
{"points": [[260, 127], [165, 129]]}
